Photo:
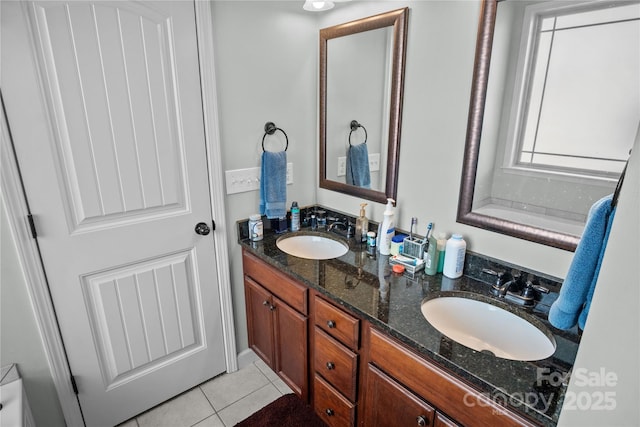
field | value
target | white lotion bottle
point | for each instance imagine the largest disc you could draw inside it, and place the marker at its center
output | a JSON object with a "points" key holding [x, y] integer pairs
{"points": [[387, 229], [454, 257]]}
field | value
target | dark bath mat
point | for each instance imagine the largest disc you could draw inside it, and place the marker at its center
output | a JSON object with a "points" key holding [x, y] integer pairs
{"points": [[287, 411]]}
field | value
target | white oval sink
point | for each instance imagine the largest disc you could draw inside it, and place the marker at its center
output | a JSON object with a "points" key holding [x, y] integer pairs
{"points": [[485, 327], [312, 246]]}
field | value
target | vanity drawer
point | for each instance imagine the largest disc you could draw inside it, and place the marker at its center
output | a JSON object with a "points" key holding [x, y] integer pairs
{"points": [[336, 363], [331, 406], [289, 291], [337, 323]]}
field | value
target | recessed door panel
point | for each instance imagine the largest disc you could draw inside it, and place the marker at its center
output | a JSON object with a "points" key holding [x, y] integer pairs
{"points": [[142, 314], [110, 69]]}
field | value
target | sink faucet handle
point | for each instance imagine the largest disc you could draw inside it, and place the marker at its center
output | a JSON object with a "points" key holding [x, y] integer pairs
{"points": [[501, 276], [504, 277], [350, 229], [538, 288]]}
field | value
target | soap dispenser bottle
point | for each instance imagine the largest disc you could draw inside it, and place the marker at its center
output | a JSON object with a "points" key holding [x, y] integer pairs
{"points": [[362, 225], [387, 229]]}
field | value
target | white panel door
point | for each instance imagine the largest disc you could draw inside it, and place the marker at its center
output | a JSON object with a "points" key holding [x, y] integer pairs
{"points": [[104, 103]]}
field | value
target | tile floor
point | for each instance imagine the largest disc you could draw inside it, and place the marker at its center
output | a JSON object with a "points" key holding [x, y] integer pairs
{"points": [[221, 402]]}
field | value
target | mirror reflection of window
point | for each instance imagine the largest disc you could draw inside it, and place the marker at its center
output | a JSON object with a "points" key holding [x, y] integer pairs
{"points": [[561, 111], [580, 73]]}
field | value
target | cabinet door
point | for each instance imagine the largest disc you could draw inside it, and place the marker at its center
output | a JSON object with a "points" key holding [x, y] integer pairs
{"points": [[259, 304], [387, 403], [291, 348]]}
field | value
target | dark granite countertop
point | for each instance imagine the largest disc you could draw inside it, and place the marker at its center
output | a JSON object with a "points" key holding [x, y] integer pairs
{"points": [[365, 285]]}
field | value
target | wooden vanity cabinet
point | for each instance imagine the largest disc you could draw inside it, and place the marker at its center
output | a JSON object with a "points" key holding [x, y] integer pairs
{"points": [[419, 384], [359, 374], [277, 322]]}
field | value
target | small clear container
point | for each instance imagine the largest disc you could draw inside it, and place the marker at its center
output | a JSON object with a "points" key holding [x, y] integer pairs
{"points": [[322, 219]]}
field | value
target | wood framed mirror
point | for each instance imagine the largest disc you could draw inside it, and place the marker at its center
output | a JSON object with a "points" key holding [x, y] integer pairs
{"points": [[362, 66], [554, 140]]}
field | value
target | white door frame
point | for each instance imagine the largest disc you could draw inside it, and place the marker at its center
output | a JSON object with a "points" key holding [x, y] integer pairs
{"points": [[29, 256]]}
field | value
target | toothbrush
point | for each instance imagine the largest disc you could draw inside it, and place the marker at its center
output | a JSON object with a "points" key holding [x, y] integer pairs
{"points": [[428, 233], [414, 221]]}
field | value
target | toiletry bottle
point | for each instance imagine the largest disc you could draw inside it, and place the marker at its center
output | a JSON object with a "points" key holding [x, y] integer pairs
{"points": [[371, 242], [295, 217], [454, 257], [396, 244], [387, 229], [441, 239], [255, 227], [362, 225], [431, 257]]}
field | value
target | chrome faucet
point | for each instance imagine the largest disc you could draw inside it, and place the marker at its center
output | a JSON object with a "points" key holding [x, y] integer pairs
{"points": [[516, 287], [345, 224], [506, 282]]}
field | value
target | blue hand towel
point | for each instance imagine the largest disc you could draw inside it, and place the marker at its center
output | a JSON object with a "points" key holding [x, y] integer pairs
{"points": [[358, 166], [273, 184], [572, 305]]}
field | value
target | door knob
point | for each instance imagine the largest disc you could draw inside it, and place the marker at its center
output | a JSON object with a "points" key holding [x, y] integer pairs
{"points": [[202, 229]]}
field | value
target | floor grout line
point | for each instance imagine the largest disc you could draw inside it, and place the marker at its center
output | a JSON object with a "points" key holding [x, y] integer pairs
{"points": [[216, 412]]}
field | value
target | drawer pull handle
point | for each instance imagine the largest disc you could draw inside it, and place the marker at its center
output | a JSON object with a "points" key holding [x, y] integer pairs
{"points": [[330, 365], [331, 324], [329, 412], [422, 420]]}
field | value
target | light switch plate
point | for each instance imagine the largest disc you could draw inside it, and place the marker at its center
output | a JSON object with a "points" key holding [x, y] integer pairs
{"points": [[374, 162], [241, 180], [342, 166]]}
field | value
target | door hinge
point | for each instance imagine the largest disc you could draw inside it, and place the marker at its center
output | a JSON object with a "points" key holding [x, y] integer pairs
{"points": [[74, 385], [32, 226], [213, 225]]}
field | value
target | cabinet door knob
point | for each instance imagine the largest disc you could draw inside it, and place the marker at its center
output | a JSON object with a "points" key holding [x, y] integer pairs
{"points": [[331, 324], [272, 307], [330, 365], [265, 302], [422, 420], [329, 412]]}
